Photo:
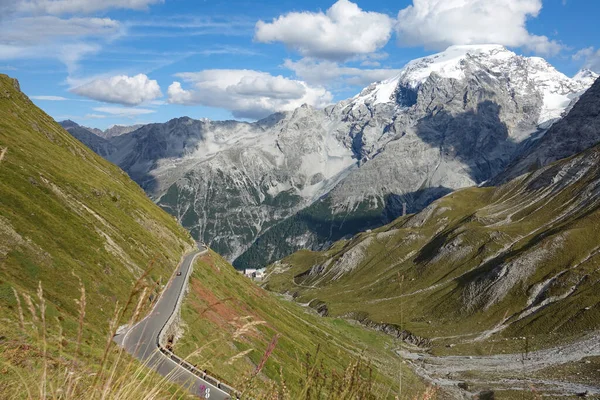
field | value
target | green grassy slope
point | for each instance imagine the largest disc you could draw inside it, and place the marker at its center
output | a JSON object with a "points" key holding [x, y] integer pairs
{"points": [[69, 219], [230, 321], [67, 214], [522, 259]]}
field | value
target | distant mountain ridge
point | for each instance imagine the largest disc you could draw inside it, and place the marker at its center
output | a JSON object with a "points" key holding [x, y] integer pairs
{"points": [[113, 131], [258, 191]]}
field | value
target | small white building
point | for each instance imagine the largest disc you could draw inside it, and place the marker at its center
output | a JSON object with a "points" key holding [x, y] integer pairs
{"points": [[255, 274]]}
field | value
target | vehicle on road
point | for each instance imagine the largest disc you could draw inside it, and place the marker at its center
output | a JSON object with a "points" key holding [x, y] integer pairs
{"points": [[178, 273]]}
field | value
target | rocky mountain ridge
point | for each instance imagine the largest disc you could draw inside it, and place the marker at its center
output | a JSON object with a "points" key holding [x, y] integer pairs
{"points": [[258, 191], [108, 133], [500, 282]]}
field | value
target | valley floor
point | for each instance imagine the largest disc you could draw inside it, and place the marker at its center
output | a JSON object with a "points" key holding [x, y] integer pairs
{"points": [[543, 371]]}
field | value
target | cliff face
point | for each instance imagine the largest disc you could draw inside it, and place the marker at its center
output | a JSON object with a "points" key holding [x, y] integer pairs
{"points": [[307, 177]]}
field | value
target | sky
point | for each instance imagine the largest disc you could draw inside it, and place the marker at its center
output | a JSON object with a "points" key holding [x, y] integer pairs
{"points": [[125, 62]]}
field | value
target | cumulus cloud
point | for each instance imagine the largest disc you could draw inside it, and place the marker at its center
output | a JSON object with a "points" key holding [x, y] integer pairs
{"points": [[340, 33], [328, 72], [246, 93], [437, 24], [121, 89], [57, 7]]}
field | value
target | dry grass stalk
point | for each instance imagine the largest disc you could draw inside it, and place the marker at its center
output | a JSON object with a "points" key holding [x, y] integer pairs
{"points": [[42, 308], [238, 356], [31, 308], [247, 328], [82, 305], [20, 310], [267, 354]]}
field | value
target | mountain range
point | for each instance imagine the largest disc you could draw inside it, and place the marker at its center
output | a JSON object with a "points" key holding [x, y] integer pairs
{"points": [[489, 285], [258, 191], [85, 254]]}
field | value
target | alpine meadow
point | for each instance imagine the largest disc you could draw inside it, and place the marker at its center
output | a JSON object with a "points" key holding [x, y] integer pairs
{"points": [[337, 200]]}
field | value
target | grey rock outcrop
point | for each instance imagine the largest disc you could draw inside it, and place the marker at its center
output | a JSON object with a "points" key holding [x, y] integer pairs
{"points": [[259, 191], [579, 130]]}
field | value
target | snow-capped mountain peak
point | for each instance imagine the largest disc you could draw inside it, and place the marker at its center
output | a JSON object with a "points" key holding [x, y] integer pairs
{"points": [[586, 76], [524, 76]]}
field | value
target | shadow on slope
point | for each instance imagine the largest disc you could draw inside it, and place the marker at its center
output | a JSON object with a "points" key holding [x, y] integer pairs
{"points": [[477, 138], [317, 226]]}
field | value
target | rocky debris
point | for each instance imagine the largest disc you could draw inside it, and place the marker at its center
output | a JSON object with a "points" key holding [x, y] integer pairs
{"points": [[350, 259], [320, 307], [491, 288], [390, 329]]}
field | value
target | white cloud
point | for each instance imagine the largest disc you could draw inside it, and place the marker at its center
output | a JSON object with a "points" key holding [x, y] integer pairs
{"points": [[49, 98], [590, 57], [57, 7], [340, 33], [67, 40], [122, 111], [437, 24], [246, 93], [121, 89], [584, 54], [95, 116], [31, 30], [328, 72]]}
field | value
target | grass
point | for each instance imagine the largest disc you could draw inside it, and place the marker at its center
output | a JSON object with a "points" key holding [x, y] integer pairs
{"points": [[83, 251], [456, 258], [229, 323], [38, 365], [68, 219]]}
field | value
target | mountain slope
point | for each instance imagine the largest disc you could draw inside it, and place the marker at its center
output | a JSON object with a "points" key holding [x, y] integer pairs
{"points": [[69, 220], [579, 130], [113, 131], [80, 230], [447, 121], [239, 321], [481, 271], [99, 145], [459, 119]]}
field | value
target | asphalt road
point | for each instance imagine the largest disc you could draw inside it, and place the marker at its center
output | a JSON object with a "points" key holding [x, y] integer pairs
{"points": [[142, 339]]}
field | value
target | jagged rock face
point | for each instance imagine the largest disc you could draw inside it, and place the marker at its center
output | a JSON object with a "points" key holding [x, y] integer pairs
{"points": [[445, 122], [307, 177], [117, 130], [229, 181], [576, 132]]}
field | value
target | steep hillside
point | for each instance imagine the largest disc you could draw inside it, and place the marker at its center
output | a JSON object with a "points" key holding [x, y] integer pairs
{"points": [[69, 219], [76, 234], [230, 323], [579, 130], [478, 273], [447, 121]]}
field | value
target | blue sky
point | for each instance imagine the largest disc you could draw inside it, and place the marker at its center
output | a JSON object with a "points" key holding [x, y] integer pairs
{"points": [[136, 61]]}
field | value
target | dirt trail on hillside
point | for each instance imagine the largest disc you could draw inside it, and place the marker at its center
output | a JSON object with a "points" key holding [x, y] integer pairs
{"points": [[2, 153], [448, 371]]}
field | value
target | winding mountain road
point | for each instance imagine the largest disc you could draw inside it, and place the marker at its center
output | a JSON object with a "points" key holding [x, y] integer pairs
{"points": [[142, 340]]}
